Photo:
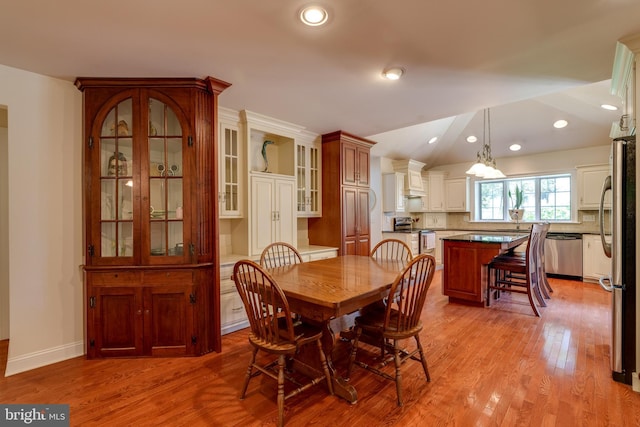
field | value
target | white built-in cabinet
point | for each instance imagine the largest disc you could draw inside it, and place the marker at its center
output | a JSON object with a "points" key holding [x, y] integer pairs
{"points": [[273, 210], [309, 176], [435, 192], [589, 184], [393, 199], [456, 195], [230, 170], [595, 263]]}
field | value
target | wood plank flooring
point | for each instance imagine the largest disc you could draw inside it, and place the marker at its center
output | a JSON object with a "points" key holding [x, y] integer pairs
{"points": [[497, 366]]}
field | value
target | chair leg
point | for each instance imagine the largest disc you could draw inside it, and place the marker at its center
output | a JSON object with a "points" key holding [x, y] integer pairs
{"points": [[354, 349], [248, 375], [489, 273], [533, 304], [423, 359], [398, 362], [281, 362], [325, 368]]}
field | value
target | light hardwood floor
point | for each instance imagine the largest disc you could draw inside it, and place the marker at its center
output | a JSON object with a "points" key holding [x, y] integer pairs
{"points": [[497, 366]]}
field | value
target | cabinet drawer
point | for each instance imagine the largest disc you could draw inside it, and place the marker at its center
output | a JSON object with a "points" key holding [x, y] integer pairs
{"points": [[227, 286], [120, 278], [231, 308], [173, 277]]}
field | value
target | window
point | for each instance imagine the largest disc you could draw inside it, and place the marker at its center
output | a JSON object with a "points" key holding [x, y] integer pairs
{"points": [[545, 198]]}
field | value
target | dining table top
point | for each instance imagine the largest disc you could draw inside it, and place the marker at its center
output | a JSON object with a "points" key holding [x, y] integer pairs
{"points": [[332, 287]]}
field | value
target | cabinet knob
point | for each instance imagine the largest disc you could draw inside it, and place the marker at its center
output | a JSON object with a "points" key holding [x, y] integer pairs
{"points": [[139, 312]]}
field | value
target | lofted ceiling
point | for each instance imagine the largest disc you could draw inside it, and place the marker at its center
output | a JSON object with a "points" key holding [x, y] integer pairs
{"points": [[530, 61]]}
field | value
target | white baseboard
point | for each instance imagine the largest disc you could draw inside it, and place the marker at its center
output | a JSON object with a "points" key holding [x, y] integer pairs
{"points": [[27, 362]]}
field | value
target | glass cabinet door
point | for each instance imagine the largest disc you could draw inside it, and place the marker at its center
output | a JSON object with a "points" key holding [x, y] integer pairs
{"points": [[229, 194], [308, 176], [116, 182], [166, 207]]}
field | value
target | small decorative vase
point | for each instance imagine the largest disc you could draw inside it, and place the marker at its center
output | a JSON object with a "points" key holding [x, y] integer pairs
{"points": [[516, 214]]}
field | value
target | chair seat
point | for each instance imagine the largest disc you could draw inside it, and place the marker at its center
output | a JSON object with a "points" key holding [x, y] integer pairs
{"points": [[373, 322]]}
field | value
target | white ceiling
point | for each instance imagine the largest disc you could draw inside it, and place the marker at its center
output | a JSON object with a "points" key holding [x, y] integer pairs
{"points": [[531, 61]]}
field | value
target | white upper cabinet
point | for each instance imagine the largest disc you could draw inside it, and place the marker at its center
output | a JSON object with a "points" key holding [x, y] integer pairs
{"points": [[623, 84], [456, 195], [393, 199], [436, 191], [230, 161], [309, 176], [590, 180]]}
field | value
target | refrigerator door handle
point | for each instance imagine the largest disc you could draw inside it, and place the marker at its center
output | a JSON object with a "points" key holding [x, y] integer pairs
{"points": [[606, 286], [606, 246]]}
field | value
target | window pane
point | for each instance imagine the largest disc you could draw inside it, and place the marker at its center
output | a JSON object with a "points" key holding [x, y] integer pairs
{"points": [[491, 200]]}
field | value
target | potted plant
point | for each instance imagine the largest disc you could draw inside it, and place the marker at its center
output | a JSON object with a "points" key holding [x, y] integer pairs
{"points": [[516, 212]]}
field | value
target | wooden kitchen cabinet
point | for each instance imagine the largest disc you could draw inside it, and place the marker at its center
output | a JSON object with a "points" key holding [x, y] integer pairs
{"points": [[345, 217], [590, 181], [151, 213]]}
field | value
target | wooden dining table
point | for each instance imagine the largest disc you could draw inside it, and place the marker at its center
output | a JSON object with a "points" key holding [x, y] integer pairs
{"points": [[323, 290]]}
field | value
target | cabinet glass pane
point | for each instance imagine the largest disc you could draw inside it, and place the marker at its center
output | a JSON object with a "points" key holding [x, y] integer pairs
{"points": [[174, 195], [116, 160], [108, 237], [175, 238], [302, 177], [231, 172], [158, 238], [165, 180], [314, 179], [125, 239], [108, 199]]}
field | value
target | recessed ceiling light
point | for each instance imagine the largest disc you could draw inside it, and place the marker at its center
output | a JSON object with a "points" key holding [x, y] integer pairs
{"points": [[560, 124], [314, 16], [393, 73], [609, 107], [515, 147], [471, 139], [432, 140]]}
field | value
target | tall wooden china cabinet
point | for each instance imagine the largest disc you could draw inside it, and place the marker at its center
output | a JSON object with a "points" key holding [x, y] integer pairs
{"points": [[345, 195], [150, 214]]}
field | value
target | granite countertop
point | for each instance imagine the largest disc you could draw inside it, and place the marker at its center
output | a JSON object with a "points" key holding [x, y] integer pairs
{"points": [[487, 237]]}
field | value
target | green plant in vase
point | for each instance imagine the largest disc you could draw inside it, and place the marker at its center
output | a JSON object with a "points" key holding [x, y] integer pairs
{"points": [[516, 212]]}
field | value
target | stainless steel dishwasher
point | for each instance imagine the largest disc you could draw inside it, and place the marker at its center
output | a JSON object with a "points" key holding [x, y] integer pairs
{"points": [[563, 255]]}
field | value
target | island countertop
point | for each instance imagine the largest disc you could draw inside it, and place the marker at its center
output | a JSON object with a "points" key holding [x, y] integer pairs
{"points": [[465, 259]]}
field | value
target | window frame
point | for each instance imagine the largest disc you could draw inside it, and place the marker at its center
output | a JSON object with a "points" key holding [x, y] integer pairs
{"points": [[573, 207]]}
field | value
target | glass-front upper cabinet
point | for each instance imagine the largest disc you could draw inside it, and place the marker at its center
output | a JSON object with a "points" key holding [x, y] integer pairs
{"points": [[116, 182], [308, 178], [230, 164], [142, 206]]}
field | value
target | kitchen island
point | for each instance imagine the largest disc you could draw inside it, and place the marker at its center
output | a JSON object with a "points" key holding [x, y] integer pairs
{"points": [[465, 259]]}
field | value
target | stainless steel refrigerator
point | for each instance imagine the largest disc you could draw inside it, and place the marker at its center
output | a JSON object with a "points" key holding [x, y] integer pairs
{"points": [[622, 251]]}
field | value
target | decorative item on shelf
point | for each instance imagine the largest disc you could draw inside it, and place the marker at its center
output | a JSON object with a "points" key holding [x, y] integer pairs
{"points": [[179, 212], [485, 167], [117, 163], [516, 213], [121, 130], [264, 155]]}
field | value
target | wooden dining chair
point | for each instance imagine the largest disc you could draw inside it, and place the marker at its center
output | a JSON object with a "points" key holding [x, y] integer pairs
{"points": [[273, 332], [391, 249], [511, 272], [399, 321], [278, 254]]}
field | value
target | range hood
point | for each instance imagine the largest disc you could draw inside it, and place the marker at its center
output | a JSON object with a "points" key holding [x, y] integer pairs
{"points": [[412, 170]]}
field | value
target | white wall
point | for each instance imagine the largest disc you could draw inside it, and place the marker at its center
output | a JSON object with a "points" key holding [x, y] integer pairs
{"points": [[4, 226], [45, 219]]}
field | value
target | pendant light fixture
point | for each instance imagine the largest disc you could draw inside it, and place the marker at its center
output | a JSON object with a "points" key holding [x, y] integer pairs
{"points": [[485, 166]]}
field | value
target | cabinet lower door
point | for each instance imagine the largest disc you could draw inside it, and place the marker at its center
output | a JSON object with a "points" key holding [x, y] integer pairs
{"points": [[169, 320], [116, 327]]}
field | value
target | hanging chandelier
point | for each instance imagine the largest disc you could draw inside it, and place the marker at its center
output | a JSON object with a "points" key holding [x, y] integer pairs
{"points": [[485, 166]]}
